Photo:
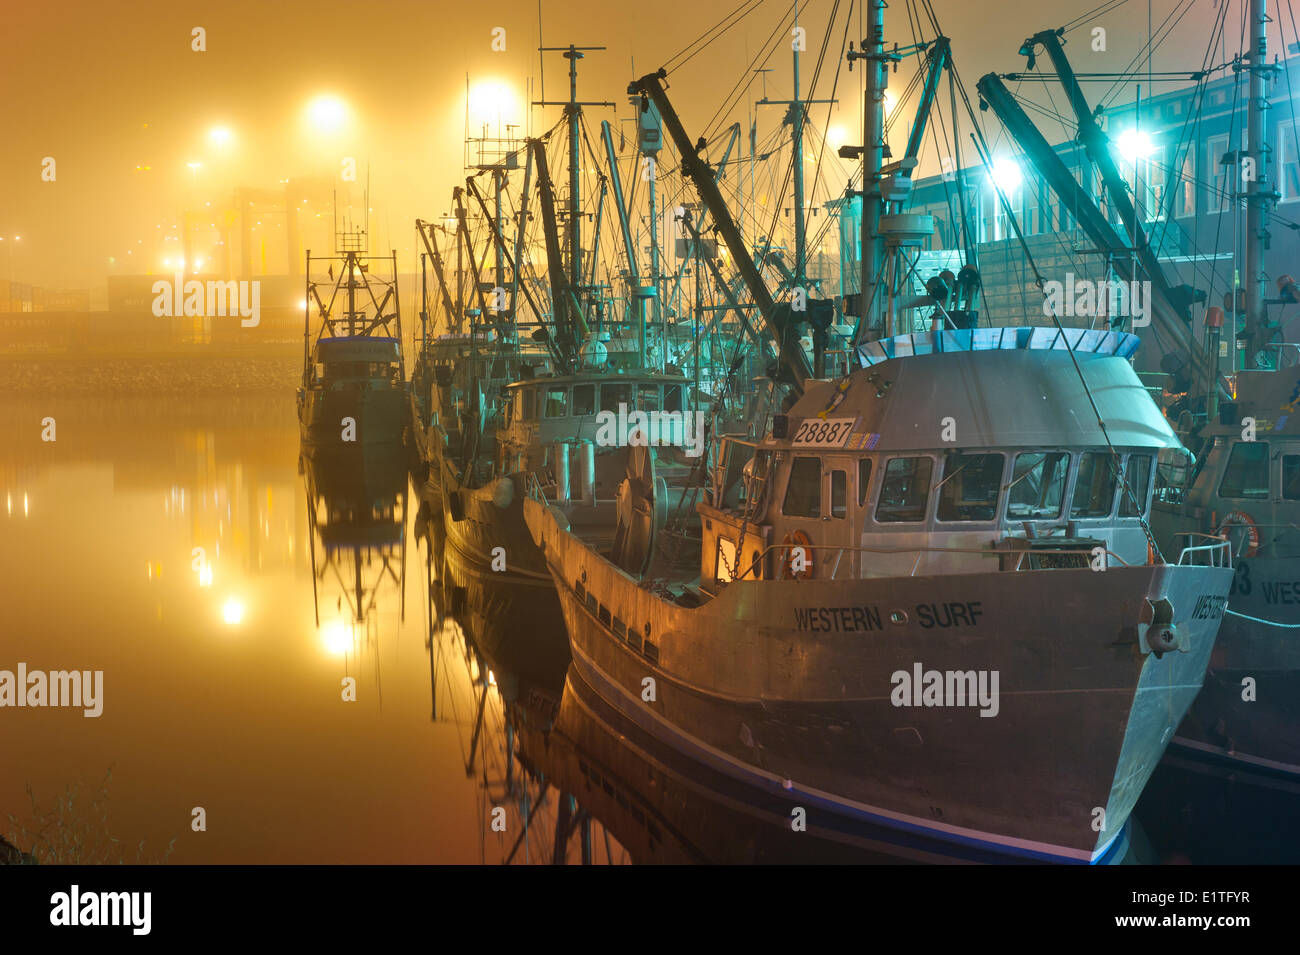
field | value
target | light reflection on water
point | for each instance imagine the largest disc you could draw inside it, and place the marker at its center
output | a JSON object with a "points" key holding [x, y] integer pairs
{"points": [[169, 544]]}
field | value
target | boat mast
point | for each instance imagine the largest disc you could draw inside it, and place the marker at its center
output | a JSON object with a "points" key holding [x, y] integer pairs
{"points": [[629, 246], [779, 321], [796, 108], [873, 151], [574, 111], [1259, 197], [656, 278], [796, 116]]}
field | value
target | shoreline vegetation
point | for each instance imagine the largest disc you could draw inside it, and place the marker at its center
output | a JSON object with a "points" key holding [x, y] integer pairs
{"points": [[150, 375], [72, 830]]}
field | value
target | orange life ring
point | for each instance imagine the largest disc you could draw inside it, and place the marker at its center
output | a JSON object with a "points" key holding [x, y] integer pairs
{"points": [[792, 540], [1241, 519]]}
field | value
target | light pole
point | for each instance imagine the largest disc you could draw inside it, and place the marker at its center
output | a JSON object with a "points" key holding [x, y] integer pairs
{"points": [[11, 241]]}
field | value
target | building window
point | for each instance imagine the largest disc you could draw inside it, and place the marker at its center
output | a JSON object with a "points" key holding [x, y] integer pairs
{"points": [[1185, 190], [1246, 475], [1002, 227], [1220, 180], [1288, 173], [1157, 174]]}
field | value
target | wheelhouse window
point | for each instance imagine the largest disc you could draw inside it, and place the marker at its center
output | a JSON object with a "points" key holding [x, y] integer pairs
{"points": [[647, 397], [803, 495], [556, 402], [970, 486], [584, 399], [905, 490], [614, 394], [1094, 488], [1133, 498], [1173, 470], [672, 397], [864, 480], [1291, 477], [1246, 475], [530, 404], [839, 493], [1037, 487]]}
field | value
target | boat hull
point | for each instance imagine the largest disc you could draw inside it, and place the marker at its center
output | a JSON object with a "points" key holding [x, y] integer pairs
{"points": [[782, 684], [380, 416], [1246, 715]]}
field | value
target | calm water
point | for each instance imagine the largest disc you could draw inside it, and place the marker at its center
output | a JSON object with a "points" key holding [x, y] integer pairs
{"points": [[223, 687], [220, 689]]}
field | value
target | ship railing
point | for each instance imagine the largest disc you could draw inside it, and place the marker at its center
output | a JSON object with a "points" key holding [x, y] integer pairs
{"points": [[1283, 350], [1218, 553], [533, 488], [1081, 557]]}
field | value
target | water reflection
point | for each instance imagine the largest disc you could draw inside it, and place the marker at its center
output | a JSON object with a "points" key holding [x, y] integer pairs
{"points": [[168, 543], [357, 519], [570, 778], [225, 585]]}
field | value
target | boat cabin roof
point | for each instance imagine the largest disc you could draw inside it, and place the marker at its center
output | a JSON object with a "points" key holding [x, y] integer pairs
{"points": [[1272, 398], [357, 348], [585, 378], [1013, 387]]}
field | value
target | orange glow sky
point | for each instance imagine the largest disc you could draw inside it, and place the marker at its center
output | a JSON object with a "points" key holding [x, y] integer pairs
{"points": [[106, 89]]}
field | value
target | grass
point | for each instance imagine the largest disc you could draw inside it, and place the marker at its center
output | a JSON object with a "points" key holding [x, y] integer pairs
{"points": [[74, 830]]}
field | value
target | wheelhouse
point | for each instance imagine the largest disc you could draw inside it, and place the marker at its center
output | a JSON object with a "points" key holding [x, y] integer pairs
{"points": [[894, 471], [343, 362]]}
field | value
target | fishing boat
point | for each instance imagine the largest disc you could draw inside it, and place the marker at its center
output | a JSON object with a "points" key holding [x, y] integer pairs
{"points": [[1228, 785], [353, 394], [356, 534], [1244, 487], [928, 603], [506, 407]]}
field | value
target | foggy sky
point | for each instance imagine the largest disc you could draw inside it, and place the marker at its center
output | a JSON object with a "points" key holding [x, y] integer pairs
{"points": [[107, 88]]}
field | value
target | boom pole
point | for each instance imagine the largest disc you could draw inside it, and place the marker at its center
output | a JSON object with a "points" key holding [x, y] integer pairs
{"points": [[778, 320]]}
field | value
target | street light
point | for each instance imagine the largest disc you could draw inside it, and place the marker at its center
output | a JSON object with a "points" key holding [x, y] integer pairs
{"points": [[327, 113], [1006, 175], [9, 254], [492, 101], [1134, 145]]}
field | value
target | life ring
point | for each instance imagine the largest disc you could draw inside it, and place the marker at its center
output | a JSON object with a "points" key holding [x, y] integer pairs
{"points": [[1241, 519], [790, 541]]}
